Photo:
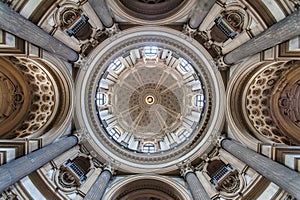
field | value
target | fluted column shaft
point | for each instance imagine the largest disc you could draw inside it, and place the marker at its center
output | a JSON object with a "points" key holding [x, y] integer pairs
{"points": [[16, 24], [280, 32], [200, 12], [15, 170], [98, 188], [101, 9], [287, 179], [197, 190]]}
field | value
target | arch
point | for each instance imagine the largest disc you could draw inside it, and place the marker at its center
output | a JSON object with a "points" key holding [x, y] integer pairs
{"points": [[153, 184], [142, 13], [108, 50], [14, 100], [65, 85], [148, 147], [253, 102], [233, 100], [43, 90]]}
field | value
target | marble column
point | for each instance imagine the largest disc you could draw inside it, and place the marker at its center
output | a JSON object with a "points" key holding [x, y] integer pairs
{"points": [[282, 31], [196, 188], [200, 12], [98, 188], [15, 170], [287, 179], [21, 27], [101, 9]]}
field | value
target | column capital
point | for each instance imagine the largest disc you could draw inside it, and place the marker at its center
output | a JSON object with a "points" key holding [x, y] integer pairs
{"points": [[284, 177], [109, 168], [221, 64], [185, 168], [81, 135], [219, 141], [81, 63], [113, 30], [111, 165], [189, 30]]}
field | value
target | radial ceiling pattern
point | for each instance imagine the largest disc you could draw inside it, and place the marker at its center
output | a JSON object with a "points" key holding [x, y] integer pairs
{"points": [[146, 98], [156, 103], [149, 100]]}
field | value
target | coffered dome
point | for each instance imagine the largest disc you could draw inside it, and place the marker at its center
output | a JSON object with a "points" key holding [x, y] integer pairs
{"points": [[150, 100]]}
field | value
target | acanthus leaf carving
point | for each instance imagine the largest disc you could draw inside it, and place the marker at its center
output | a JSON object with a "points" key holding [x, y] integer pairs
{"points": [[231, 184]]}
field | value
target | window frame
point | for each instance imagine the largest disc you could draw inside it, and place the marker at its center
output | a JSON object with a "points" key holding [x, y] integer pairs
{"points": [[113, 132], [149, 147]]}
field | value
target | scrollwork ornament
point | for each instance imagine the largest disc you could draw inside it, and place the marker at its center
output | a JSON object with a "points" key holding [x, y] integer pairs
{"points": [[189, 31], [208, 44], [219, 140], [12, 95], [81, 63], [288, 104], [81, 135], [68, 16], [217, 49], [235, 18], [220, 63], [112, 30], [185, 167], [231, 184], [66, 179]]}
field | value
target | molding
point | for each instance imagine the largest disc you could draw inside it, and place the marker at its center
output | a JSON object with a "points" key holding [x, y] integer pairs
{"points": [[109, 49], [142, 182]]}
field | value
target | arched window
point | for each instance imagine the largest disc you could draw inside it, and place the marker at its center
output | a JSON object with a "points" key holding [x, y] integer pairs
{"points": [[148, 147], [151, 51], [199, 100], [218, 170], [115, 133], [183, 135], [185, 66], [77, 168], [101, 99], [115, 65]]}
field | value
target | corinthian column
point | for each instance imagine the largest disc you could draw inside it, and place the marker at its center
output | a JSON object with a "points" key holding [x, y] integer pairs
{"points": [[282, 31], [98, 188], [196, 188], [287, 179], [15, 170], [200, 12], [16, 24], [101, 9]]}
